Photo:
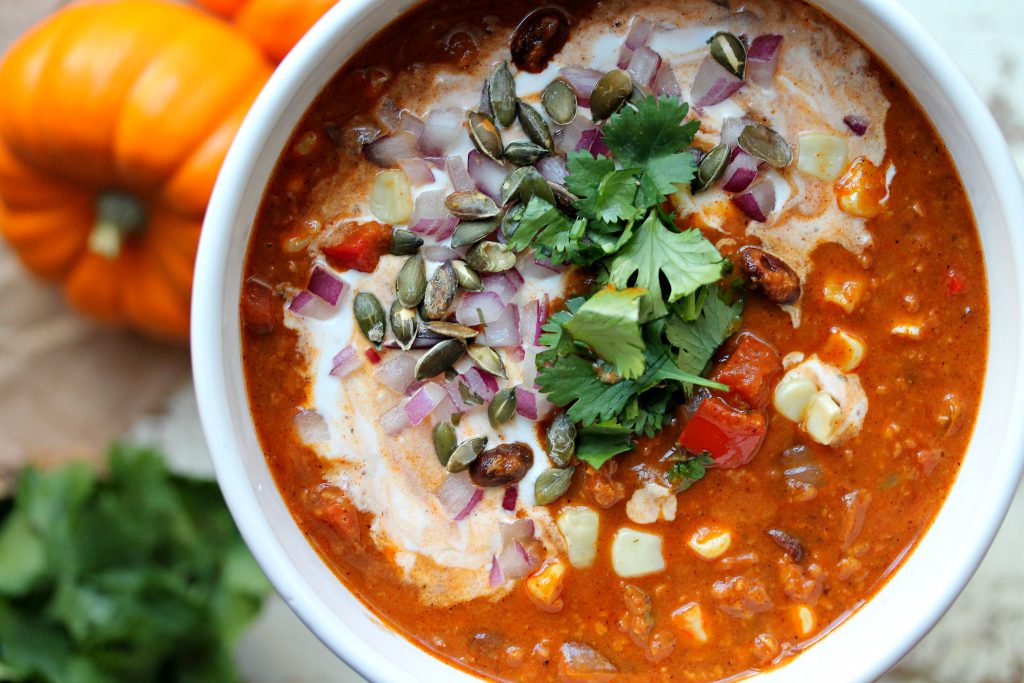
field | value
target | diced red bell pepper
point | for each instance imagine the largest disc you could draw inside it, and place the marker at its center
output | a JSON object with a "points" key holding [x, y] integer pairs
{"points": [[372, 356], [749, 370], [954, 282], [360, 246], [730, 436]]}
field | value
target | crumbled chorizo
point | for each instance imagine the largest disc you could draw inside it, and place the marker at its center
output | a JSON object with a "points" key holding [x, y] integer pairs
{"points": [[741, 597], [802, 585], [638, 624], [602, 489]]}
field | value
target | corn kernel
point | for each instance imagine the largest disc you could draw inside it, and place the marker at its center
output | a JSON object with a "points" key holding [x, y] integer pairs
{"points": [[689, 620], [682, 200], [862, 191], [710, 542], [822, 418], [391, 197], [847, 294], [805, 620], [544, 586], [792, 396], [636, 553], [579, 526], [907, 331], [822, 156], [844, 350]]}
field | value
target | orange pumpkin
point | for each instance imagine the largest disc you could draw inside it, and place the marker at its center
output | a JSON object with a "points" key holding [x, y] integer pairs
{"points": [[115, 119], [275, 24]]}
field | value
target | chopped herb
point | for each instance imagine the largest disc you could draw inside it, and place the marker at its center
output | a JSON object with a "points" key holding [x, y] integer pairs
{"points": [[686, 473], [602, 442]]}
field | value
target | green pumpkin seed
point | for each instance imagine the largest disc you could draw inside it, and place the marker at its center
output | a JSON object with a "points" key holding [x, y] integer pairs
{"points": [[563, 198], [534, 126], [559, 102], [471, 232], [525, 182], [490, 257], [561, 440], [471, 205], [485, 135], [510, 186], [552, 485], [440, 292], [488, 360], [370, 316], [610, 93], [730, 52], [404, 324], [522, 153], [411, 282], [510, 220], [466, 277], [767, 145], [502, 407], [444, 441], [453, 330], [638, 94], [404, 243], [465, 453], [439, 358], [711, 168], [503, 95]]}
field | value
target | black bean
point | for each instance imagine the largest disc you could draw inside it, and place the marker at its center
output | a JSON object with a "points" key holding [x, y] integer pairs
{"points": [[502, 465], [792, 545], [770, 274]]}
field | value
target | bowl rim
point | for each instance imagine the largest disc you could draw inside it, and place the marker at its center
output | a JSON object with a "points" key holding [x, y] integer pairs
{"points": [[213, 320]]}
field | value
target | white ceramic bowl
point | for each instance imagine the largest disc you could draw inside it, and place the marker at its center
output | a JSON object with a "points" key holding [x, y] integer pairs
{"points": [[861, 649]]}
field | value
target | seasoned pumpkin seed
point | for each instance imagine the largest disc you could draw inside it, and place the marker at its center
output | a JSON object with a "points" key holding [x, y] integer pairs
{"points": [[485, 135], [467, 278], [510, 186], [638, 95], [471, 205], [510, 220], [440, 292], [711, 168], [561, 440], [439, 358], [610, 93], [370, 316], [523, 153], [730, 52], [503, 95], [405, 243], [502, 407], [488, 360], [453, 330], [552, 484], [559, 101], [526, 182], [490, 257], [765, 144], [471, 232], [404, 324], [465, 453], [411, 282], [534, 126], [444, 441], [563, 198]]}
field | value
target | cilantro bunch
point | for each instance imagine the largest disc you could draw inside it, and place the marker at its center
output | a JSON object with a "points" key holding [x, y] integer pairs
{"points": [[621, 359]]}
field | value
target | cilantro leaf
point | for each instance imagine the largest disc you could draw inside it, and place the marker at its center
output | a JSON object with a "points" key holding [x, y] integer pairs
{"points": [[686, 473], [573, 379], [662, 174], [586, 172], [540, 221], [612, 199], [552, 337], [601, 442], [609, 323], [654, 128], [697, 340]]}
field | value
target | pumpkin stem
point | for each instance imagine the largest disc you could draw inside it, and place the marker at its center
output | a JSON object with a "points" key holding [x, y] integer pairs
{"points": [[118, 215]]}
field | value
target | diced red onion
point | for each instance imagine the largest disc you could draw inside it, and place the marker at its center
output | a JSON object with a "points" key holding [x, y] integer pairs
{"points": [[526, 403], [429, 215], [529, 328], [640, 31], [643, 65], [582, 82], [567, 138], [515, 562], [325, 285], [740, 172], [544, 406], [553, 168], [385, 151], [307, 305], [455, 396], [520, 530], [311, 426], [665, 82], [763, 59], [413, 388], [444, 410], [508, 502], [395, 420], [543, 310], [480, 383], [440, 252], [398, 372], [516, 352], [388, 115], [593, 141], [473, 306], [505, 284], [857, 124], [345, 362], [625, 57], [731, 129], [458, 496], [372, 355], [758, 202], [478, 494], [505, 330], [417, 170], [440, 129], [495, 579], [412, 124], [713, 84], [423, 402], [458, 175], [486, 173]]}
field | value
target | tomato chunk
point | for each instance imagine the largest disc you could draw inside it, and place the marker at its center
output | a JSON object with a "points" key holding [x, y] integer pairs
{"points": [[359, 246], [749, 370], [729, 435]]}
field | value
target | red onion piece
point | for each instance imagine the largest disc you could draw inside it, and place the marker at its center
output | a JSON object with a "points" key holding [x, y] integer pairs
{"points": [[325, 285], [478, 494], [520, 530], [505, 284], [345, 362], [476, 305], [758, 202], [731, 129], [553, 168], [495, 579], [455, 396], [480, 383], [643, 65], [857, 124], [372, 355], [508, 502], [529, 323], [398, 372], [625, 57], [387, 150], [412, 124], [505, 330], [440, 129], [526, 403], [417, 170], [457, 493], [763, 59], [567, 138], [429, 215], [665, 82], [514, 561], [311, 426], [423, 402], [582, 82], [310, 306], [439, 252], [458, 175], [740, 172], [593, 141], [487, 174], [640, 31], [713, 84], [395, 420]]}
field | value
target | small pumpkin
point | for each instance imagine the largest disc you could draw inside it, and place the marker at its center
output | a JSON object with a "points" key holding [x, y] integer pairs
{"points": [[276, 25], [116, 117]]}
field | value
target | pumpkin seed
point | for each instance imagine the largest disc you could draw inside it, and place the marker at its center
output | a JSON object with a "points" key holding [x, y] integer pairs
{"points": [[729, 51], [466, 277], [488, 360], [490, 257], [370, 316], [471, 205], [711, 168], [404, 324], [485, 135], [471, 232], [452, 330], [552, 485], [510, 220], [561, 440], [610, 93], [439, 358], [767, 145], [440, 292], [465, 453], [502, 407], [405, 243], [525, 182], [444, 441], [559, 101], [522, 153], [534, 126], [411, 282], [510, 186], [563, 198], [503, 95], [638, 94]]}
